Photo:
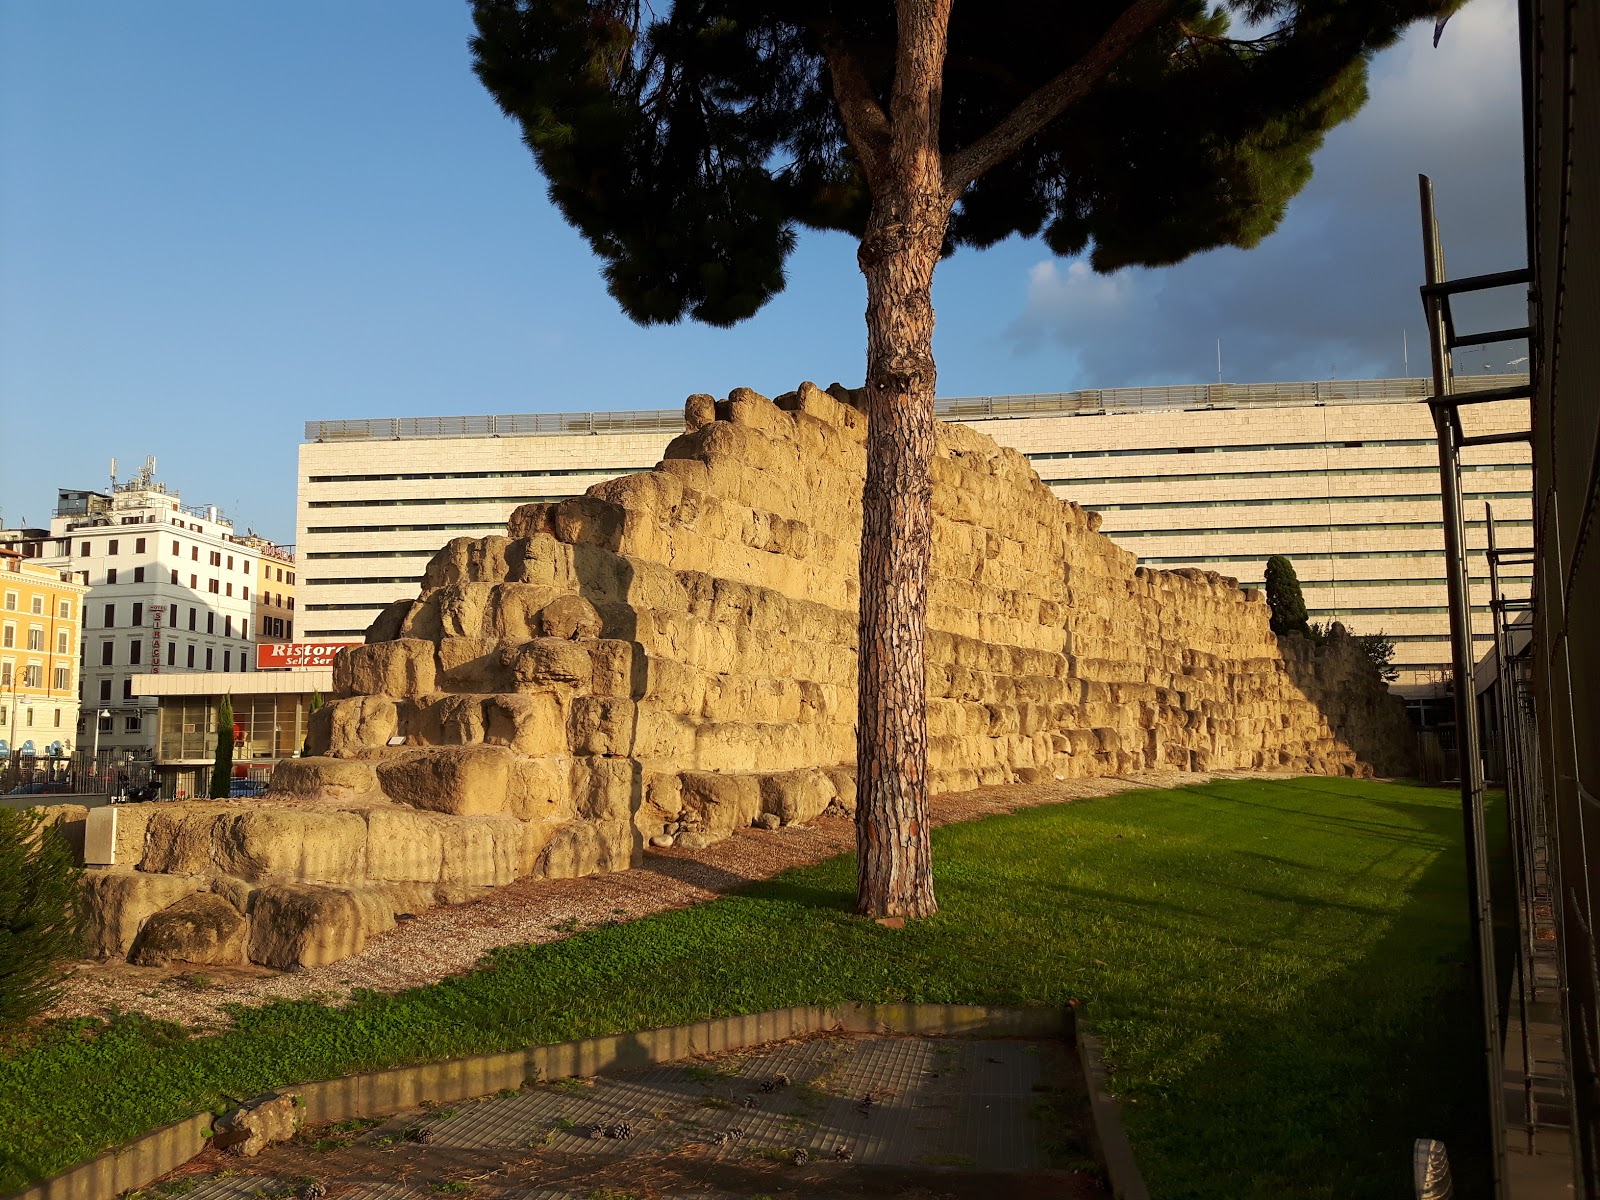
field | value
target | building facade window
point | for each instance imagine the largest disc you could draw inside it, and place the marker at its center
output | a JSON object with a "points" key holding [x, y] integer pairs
{"points": [[174, 576], [63, 641], [36, 638], [33, 676], [63, 678], [244, 628], [127, 689], [138, 574], [132, 724], [105, 723], [172, 654], [211, 622], [38, 606], [11, 602], [105, 691], [190, 660], [111, 575], [136, 651], [106, 652], [191, 619], [227, 661], [5, 674], [64, 610], [209, 663], [138, 614], [194, 583], [111, 546], [138, 545], [110, 616], [176, 549], [83, 550], [227, 626], [8, 637]]}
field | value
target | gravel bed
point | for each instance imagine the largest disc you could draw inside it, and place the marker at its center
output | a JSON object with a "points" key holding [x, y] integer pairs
{"points": [[452, 939]]}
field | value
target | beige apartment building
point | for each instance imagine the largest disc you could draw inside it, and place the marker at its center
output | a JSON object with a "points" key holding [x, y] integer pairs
{"points": [[41, 632], [1341, 476]]}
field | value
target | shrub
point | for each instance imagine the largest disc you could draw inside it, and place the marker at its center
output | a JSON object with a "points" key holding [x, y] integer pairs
{"points": [[1379, 647], [41, 912], [222, 767], [1284, 599]]}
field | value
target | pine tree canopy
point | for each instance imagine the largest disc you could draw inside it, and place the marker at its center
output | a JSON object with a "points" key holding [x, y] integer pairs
{"points": [[687, 140]]}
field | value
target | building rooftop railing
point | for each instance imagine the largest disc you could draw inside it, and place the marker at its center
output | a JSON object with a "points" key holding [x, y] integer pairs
{"points": [[1088, 402]]}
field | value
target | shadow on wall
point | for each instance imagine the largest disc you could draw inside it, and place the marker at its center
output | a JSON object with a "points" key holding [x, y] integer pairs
{"points": [[1337, 676]]}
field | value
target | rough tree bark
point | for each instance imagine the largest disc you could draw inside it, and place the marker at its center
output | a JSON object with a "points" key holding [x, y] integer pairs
{"points": [[898, 254], [913, 193]]}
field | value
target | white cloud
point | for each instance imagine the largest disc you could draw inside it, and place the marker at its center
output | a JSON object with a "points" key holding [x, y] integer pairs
{"points": [[1331, 291]]}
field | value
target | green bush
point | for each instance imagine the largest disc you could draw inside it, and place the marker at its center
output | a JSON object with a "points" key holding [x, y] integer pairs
{"points": [[222, 766], [1283, 597], [41, 912]]}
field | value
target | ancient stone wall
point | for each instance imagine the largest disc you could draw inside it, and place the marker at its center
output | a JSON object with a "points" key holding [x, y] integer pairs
{"points": [[672, 655]]}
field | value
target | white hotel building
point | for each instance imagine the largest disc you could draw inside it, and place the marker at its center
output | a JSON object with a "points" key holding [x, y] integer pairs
{"points": [[170, 592], [1342, 476]]}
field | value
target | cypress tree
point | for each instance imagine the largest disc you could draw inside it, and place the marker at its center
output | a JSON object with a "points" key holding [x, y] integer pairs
{"points": [[1284, 599], [316, 703], [222, 765], [687, 140]]}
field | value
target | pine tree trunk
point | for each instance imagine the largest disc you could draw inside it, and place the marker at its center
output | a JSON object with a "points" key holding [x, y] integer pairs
{"points": [[898, 255]]}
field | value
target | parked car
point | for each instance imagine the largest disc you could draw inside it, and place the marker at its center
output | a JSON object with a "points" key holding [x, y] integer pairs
{"points": [[39, 789], [246, 787]]}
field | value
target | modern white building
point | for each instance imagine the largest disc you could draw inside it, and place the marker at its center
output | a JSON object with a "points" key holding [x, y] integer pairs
{"points": [[1341, 476], [170, 591]]}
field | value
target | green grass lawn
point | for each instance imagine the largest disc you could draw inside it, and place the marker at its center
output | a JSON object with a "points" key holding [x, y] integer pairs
{"points": [[1278, 969]]}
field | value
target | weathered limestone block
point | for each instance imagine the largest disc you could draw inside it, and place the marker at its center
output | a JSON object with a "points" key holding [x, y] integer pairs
{"points": [[459, 780], [481, 851], [513, 611], [718, 804], [579, 848], [570, 618], [301, 925], [475, 665], [119, 902], [268, 844], [795, 797], [601, 725], [331, 779], [543, 788], [360, 721], [399, 668], [203, 928], [468, 560], [548, 662], [249, 1130], [387, 625]]}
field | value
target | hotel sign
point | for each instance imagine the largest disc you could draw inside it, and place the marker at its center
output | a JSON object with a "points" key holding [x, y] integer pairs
{"points": [[278, 656]]}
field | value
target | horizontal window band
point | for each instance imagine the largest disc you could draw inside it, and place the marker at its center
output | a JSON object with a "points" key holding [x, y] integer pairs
{"points": [[1317, 472], [553, 472], [1268, 502], [336, 554], [1254, 448], [321, 634], [468, 527], [352, 580], [424, 501], [365, 604], [1244, 530]]}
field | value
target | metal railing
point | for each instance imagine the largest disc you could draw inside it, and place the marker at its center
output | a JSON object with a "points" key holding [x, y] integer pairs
{"points": [[1089, 402]]}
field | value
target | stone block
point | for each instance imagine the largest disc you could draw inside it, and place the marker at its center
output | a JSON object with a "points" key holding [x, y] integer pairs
{"points": [[399, 668], [795, 797], [265, 844], [547, 662], [600, 725], [249, 1130], [331, 779], [358, 722], [202, 929], [718, 804], [120, 901], [458, 780], [474, 665], [301, 925], [570, 618]]}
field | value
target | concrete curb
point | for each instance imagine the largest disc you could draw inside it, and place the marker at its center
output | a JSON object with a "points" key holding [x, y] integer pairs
{"points": [[381, 1093], [1113, 1150]]}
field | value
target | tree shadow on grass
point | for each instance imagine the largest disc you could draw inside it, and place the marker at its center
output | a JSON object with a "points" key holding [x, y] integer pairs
{"points": [[1324, 1097]]}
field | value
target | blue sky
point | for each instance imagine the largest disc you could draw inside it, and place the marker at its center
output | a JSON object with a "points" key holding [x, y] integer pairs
{"points": [[219, 221]]}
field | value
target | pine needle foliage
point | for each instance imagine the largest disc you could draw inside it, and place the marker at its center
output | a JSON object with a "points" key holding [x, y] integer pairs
{"points": [[688, 141], [41, 913]]}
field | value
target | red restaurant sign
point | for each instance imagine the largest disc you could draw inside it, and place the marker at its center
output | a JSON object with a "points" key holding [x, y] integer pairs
{"points": [[278, 655]]}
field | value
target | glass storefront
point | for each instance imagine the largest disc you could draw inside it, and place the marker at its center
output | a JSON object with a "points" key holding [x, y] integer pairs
{"points": [[272, 727]]}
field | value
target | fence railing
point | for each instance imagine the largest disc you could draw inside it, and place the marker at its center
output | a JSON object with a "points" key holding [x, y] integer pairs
{"points": [[1088, 402]]}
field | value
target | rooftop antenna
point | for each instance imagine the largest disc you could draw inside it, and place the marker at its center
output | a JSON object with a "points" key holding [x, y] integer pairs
{"points": [[113, 474], [1405, 354], [1219, 360]]}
